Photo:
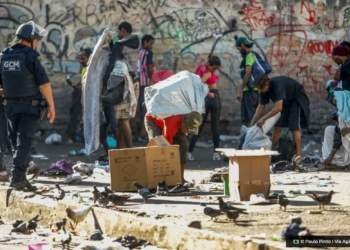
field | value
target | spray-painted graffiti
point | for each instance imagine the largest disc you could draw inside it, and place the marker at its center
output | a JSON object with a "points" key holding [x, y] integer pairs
{"points": [[298, 35]]}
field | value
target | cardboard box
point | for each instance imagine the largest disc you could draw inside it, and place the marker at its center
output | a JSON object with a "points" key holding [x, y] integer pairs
{"points": [[146, 165], [249, 172]]}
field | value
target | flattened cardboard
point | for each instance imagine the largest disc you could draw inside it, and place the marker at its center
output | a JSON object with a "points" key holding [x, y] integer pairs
{"points": [[146, 165]]}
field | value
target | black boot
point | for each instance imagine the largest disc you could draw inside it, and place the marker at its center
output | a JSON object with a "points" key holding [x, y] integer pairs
{"points": [[21, 183]]}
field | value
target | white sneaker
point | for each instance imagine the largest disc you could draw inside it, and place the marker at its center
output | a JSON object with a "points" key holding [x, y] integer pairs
{"points": [[216, 156], [190, 156]]}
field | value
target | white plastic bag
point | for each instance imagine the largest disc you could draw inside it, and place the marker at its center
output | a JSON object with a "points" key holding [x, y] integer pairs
{"points": [[179, 94], [256, 139]]}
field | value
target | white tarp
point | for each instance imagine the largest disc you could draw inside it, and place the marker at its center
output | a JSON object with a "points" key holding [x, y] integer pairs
{"points": [[92, 84], [179, 94]]}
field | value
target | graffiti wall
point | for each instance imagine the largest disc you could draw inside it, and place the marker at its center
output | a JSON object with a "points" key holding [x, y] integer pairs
{"points": [[296, 35]]}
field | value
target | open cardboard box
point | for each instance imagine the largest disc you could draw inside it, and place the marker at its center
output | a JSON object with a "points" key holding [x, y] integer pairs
{"points": [[249, 172], [145, 165]]}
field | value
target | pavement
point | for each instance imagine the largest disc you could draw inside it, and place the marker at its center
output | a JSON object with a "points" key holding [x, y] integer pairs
{"points": [[163, 220]]}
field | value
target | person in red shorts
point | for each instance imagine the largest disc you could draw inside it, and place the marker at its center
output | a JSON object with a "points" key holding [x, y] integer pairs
{"points": [[174, 129]]}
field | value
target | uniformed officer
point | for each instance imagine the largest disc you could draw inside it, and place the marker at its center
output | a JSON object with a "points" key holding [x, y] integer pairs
{"points": [[25, 84]]}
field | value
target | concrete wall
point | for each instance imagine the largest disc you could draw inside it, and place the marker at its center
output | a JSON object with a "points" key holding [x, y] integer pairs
{"points": [[297, 35]]}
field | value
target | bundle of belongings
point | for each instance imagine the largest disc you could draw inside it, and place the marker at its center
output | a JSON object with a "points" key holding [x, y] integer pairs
{"points": [[179, 94]]}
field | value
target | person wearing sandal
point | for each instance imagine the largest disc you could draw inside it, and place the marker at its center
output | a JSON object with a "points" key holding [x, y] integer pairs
{"points": [[290, 99]]}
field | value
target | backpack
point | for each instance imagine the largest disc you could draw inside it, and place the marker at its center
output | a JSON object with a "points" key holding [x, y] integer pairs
{"points": [[260, 67]]}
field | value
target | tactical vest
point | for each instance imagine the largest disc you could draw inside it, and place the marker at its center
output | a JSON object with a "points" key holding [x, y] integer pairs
{"points": [[18, 81]]}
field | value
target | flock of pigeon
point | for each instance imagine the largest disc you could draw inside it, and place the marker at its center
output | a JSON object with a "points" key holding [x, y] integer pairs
{"points": [[107, 198]]}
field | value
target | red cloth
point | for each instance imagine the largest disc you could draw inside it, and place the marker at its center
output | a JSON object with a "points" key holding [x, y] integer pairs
{"points": [[170, 126], [161, 75], [202, 69]]}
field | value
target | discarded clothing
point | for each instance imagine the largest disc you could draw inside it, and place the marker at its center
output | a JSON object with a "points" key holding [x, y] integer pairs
{"points": [[61, 167], [342, 157], [342, 99]]}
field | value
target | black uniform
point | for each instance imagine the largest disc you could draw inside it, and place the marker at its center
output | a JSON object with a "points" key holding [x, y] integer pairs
{"points": [[21, 76]]}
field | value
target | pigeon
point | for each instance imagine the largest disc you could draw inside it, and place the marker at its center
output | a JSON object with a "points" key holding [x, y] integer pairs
{"points": [[59, 225], [66, 239], [61, 193], [322, 199], [283, 202], [107, 190], [226, 207], [96, 194], [232, 214], [20, 227], [77, 216], [212, 212], [33, 223], [144, 192], [117, 199], [97, 234]]}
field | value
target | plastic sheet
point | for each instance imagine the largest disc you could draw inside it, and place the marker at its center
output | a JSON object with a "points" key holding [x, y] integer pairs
{"points": [[179, 94]]}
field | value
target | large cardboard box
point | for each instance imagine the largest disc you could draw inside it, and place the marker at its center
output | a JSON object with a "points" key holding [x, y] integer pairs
{"points": [[145, 165], [249, 172]]}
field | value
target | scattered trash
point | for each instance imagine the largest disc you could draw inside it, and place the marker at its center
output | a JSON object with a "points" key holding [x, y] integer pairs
{"points": [[39, 246], [132, 242], [311, 163], [61, 167], [195, 224], [84, 168], [295, 192], [79, 152], [258, 199], [39, 156], [224, 138], [281, 166], [102, 165], [315, 211], [73, 179], [4, 177], [53, 138], [111, 142]]}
